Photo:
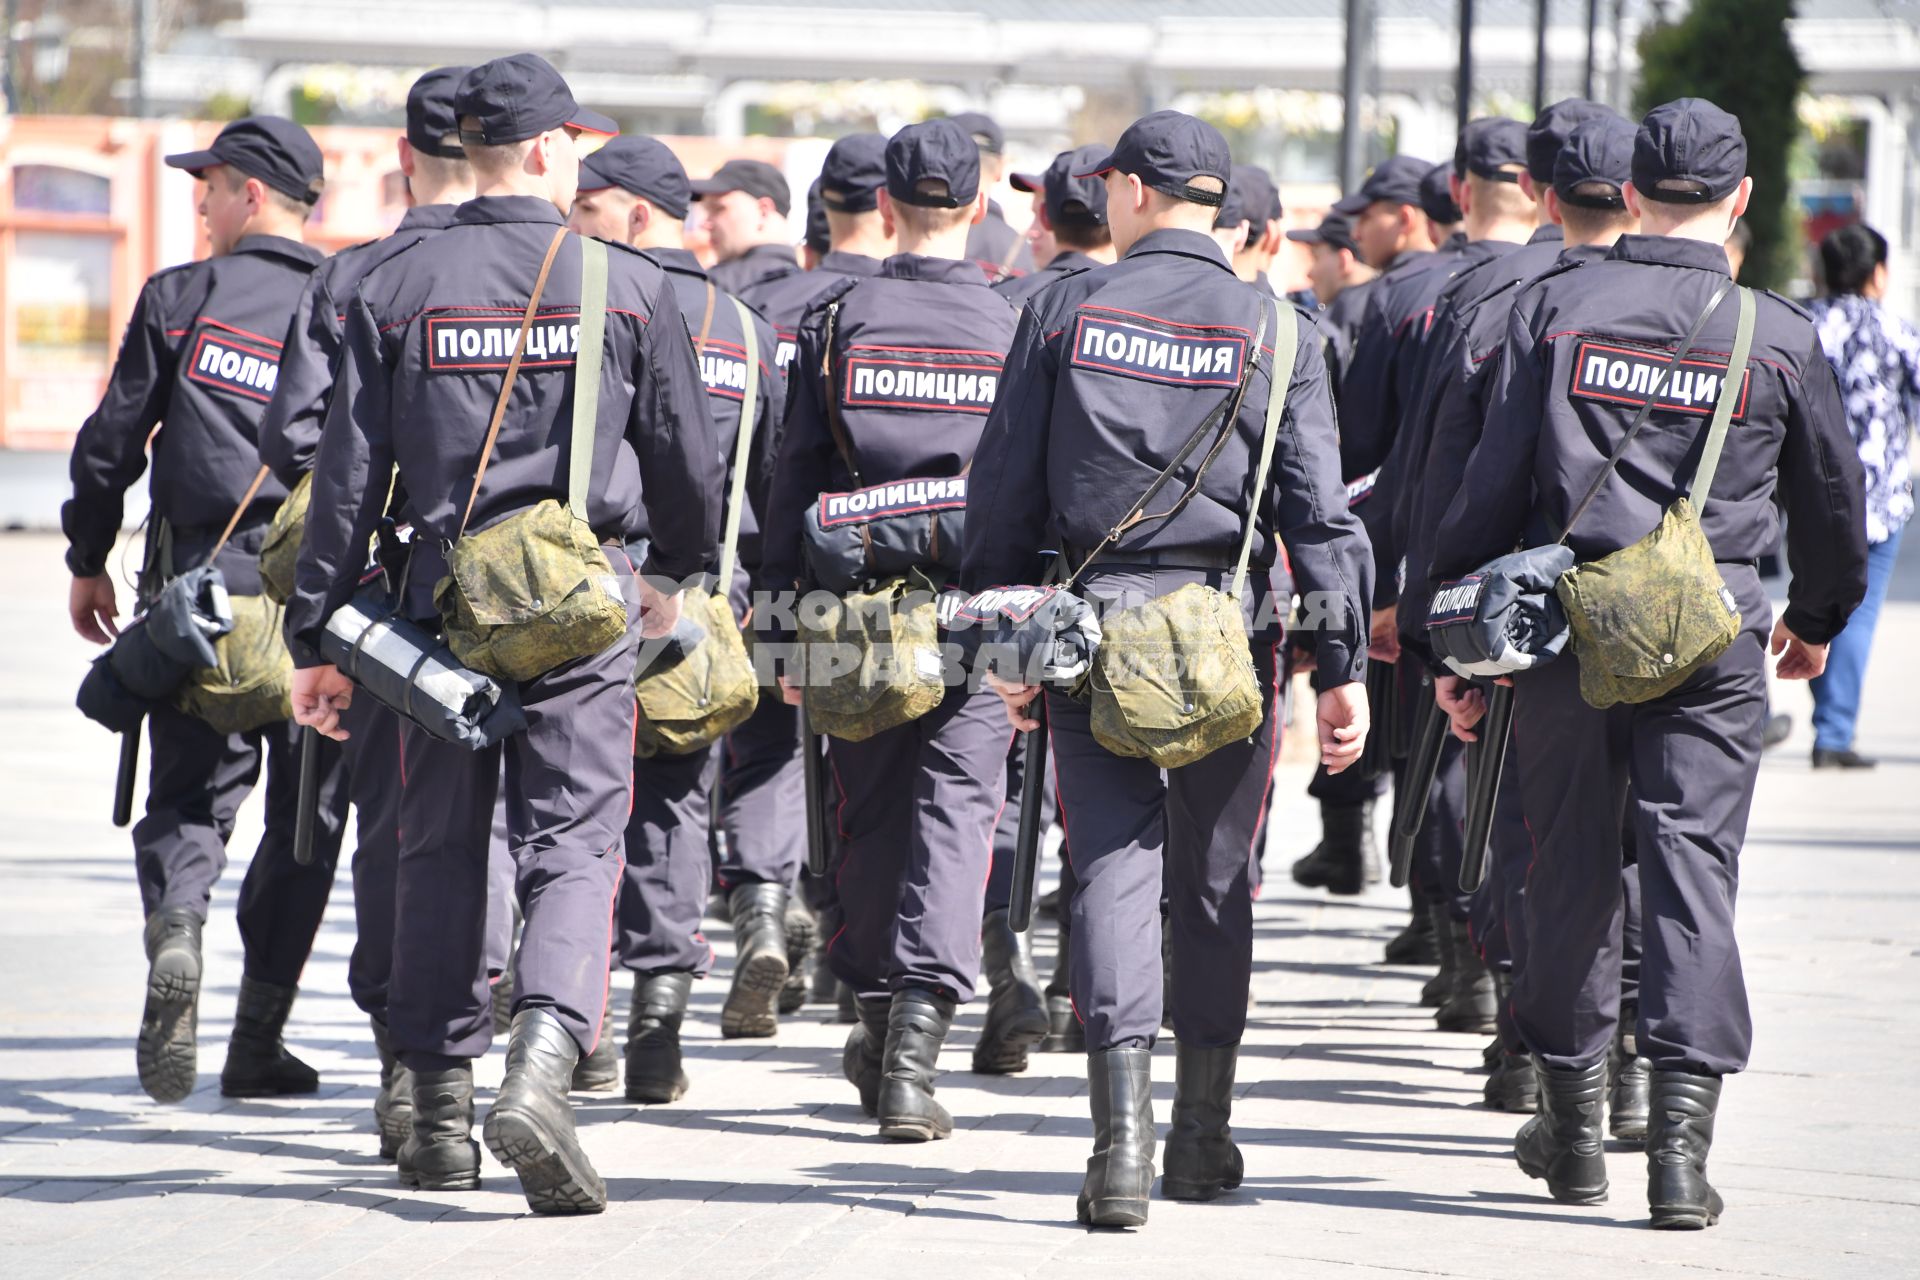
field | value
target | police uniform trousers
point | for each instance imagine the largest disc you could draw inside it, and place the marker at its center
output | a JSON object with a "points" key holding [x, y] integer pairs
{"points": [[763, 798], [1006, 832], [1691, 758], [1123, 818], [372, 752], [663, 892], [917, 807], [569, 785], [1441, 845], [197, 780]]}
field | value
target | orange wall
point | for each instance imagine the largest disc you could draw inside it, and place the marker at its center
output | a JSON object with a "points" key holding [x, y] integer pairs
{"points": [[69, 277]]}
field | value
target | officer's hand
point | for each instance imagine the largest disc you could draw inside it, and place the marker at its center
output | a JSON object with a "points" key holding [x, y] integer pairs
{"points": [[1462, 703], [91, 605], [1383, 645], [1015, 697], [1802, 661], [659, 612], [1344, 719], [320, 694], [788, 694]]}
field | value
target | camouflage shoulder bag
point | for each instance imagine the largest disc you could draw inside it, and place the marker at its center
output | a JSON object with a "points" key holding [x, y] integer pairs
{"points": [[873, 657], [280, 553], [1173, 679], [1649, 615], [250, 682], [534, 591], [689, 698]]}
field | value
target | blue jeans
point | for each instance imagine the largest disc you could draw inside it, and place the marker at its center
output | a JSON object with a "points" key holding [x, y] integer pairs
{"points": [[1836, 694]]}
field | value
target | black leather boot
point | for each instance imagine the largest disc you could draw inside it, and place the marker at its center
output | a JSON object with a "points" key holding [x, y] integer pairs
{"points": [[1679, 1133], [439, 1153], [1065, 1034], [846, 1005], [258, 1064], [1120, 1170], [1201, 1160], [826, 987], [1016, 1011], [1415, 943], [802, 933], [393, 1105], [1513, 1086], [654, 1069], [1345, 854], [1470, 1005], [530, 1127], [1563, 1144], [760, 960], [917, 1025], [1632, 1079], [1440, 985], [866, 1043], [599, 1071], [167, 1051]]}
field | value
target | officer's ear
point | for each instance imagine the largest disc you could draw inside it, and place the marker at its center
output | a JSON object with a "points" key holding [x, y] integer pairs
{"points": [[1528, 185], [1741, 198], [768, 209], [1462, 194], [1552, 204], [979, 209], [1630, 194], [887, 222], [638, 217], [405, 150]]}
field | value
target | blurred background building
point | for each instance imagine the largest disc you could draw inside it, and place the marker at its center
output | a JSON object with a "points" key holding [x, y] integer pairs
{"points": [[100, 89]]}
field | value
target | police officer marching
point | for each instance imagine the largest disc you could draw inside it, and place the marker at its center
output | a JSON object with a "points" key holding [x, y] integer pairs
{"points": [[1069, 219], [1596, 384], [916, 802], [1101, 390], [633, 190], [201, 358], [484, 458]]}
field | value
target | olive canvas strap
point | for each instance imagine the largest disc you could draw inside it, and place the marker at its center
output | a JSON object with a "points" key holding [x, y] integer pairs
{"points": [[1286, 339], [588, 354], [1723, 407], [742, 447]]}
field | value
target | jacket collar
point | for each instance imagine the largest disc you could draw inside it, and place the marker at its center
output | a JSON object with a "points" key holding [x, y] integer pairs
{"points": [[279, 247], [489, 209], [1190, 244], [1671, 251], [849, 264], [680, 261], [429, 217], [913, 266]]}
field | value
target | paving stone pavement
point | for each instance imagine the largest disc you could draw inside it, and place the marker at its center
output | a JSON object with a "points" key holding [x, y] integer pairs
{"points": [[1367, 1150]]}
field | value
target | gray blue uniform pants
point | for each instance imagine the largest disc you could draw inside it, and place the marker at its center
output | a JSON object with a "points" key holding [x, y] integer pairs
{"points": [[763, 798], [198, 778], [663, 893], [569, 786], [916, 815], [1123, 818], [1691, 759]]}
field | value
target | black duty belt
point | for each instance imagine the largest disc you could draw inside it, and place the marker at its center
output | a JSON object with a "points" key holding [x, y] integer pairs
{"points": [[1195, 559]]}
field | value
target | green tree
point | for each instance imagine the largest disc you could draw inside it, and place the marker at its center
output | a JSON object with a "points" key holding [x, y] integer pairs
{"points": [[1736, 53]]}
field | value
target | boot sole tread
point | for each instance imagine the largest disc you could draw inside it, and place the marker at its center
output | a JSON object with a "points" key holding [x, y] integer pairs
{"points": [[749, 1011], [1114, 1213], [552, 1182], [167, 1053]]}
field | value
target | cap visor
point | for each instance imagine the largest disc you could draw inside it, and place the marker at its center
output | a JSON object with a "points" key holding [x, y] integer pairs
{"points": [[194, 161], [593, 122], [1027, 182], [711, 187], [1099, 170], [1309, 235], [1347, 206]]}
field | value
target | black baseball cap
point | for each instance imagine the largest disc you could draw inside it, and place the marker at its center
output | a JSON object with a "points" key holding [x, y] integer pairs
{"points": [[518, 97], [271, 148], [1351, 206], [642, 166], [1689, 152], [433, 126], [933, 151], [1395, 180], [982, 128], [1168, 150], [818, 236], [1436, 197], [854, 172], [1335, 230], [1251, 197], [1595, 162], [1492, 147], [1551, 129], [755, 177], [1069, 200]]}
